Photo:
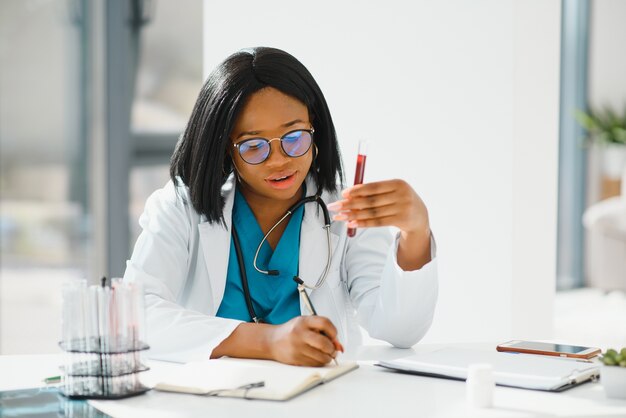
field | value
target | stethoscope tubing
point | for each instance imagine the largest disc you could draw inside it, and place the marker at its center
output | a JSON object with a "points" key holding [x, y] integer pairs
{"points": [[244, 277]]}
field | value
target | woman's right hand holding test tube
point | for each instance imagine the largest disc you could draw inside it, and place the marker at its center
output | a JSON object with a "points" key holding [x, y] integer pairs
{"points": [[389, 203]]}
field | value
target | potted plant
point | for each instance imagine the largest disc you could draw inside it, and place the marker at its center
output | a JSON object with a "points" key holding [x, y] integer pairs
{"points": [[613, 373], [605, 221], [607, 129]]}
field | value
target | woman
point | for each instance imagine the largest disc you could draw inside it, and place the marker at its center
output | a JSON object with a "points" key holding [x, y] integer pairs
{"points": [[260, 138]]}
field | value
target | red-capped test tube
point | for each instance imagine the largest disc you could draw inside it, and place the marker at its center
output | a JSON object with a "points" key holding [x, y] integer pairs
{"points": [[359, 173]]}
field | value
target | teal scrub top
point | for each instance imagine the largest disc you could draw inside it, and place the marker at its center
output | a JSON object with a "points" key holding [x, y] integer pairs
{"points": [[275, 298]]}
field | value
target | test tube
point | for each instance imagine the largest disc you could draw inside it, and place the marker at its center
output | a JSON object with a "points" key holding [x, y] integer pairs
{"points": [[94, 343], [139, 315], [85, 318], [68, 325], [120, 327], [359, 173]]}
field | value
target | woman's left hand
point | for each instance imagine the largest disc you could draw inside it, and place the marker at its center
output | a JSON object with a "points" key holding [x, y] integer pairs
{"points": [[389, 203]]}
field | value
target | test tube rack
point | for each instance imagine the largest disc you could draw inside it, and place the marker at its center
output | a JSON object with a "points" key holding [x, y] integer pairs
{"points": [[103, 337]]}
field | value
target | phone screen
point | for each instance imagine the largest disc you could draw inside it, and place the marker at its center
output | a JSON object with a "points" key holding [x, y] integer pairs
{"points": [[559, 348]]}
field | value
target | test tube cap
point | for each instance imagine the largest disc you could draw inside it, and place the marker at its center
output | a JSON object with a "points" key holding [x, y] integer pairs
{"points": [[363, 147]]}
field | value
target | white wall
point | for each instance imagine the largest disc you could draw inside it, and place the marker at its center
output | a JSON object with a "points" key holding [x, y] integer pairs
{"points": [[607, 67], [461, 100], [536, 76], [607, 59]]}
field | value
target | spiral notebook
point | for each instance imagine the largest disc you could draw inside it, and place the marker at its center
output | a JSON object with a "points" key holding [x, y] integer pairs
{"points": [[250, 379], [528, 371]]}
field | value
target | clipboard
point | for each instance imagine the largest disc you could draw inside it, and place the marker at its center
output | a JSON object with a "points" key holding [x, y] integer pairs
{"points": [[527, 371]]}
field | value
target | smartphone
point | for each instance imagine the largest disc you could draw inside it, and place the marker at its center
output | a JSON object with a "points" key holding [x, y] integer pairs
{"points": [[548, 349]]}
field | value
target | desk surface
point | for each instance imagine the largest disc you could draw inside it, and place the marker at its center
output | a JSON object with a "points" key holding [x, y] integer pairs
{"points": [[370, 391]]}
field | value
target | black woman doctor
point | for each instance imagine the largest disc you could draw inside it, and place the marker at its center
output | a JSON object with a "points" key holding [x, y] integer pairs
{"points": [[224, 238]]}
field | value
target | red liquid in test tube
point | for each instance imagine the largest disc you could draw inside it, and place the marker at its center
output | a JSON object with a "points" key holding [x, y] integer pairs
{"points": [[359, 173]]}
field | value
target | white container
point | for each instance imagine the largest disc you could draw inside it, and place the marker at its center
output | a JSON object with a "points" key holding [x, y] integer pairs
{"points": [[480, 385], [613, 160], [613, 380]]}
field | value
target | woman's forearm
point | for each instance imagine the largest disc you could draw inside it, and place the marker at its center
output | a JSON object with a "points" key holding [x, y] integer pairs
{"points": [[302, 341], [246, 341], [413, 250]]}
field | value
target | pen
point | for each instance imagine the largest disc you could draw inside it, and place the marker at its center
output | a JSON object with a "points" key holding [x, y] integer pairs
{"points": [[309, 305], [52, 379]]}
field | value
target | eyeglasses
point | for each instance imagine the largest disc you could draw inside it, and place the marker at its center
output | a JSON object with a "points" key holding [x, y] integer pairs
{"points": [[294, 144]]}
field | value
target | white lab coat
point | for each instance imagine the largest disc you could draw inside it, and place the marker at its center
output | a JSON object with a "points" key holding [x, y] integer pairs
{"points": [[182, 260]]}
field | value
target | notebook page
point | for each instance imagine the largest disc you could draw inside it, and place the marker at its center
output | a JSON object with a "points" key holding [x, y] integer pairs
{"points": [[226, 375]]}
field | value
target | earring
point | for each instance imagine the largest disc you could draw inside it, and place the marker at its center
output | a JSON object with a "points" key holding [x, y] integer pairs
{"points": [[314, 167], [237, 174]]}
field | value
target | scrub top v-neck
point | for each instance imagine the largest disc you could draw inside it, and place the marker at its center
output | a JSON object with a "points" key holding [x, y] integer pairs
{"points": [[274, 298]]}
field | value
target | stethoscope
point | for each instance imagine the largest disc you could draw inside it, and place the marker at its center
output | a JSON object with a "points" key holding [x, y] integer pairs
{"points": [[301, 285]]}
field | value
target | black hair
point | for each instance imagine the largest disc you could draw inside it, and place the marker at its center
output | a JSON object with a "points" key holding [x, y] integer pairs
{"points": [[201, 158]]}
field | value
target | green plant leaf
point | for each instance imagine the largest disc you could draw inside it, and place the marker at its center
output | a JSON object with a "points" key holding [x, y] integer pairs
{"points": [[614, 358], [603, 126], [619, 134], [586, 120]]}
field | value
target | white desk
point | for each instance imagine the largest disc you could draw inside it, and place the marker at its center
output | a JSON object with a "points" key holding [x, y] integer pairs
{"points": [[369, 391]]}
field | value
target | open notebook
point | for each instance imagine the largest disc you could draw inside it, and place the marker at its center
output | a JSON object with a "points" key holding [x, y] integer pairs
{"points": [[529, 371], [250, 379]]}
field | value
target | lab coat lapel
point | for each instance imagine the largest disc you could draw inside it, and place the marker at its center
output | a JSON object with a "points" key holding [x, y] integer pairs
{"points": [[215, 241]]}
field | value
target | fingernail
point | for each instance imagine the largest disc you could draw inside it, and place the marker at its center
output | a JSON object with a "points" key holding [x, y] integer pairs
{"points": [[335, 206], [353, 224], [340, 217], [346, 193]]}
